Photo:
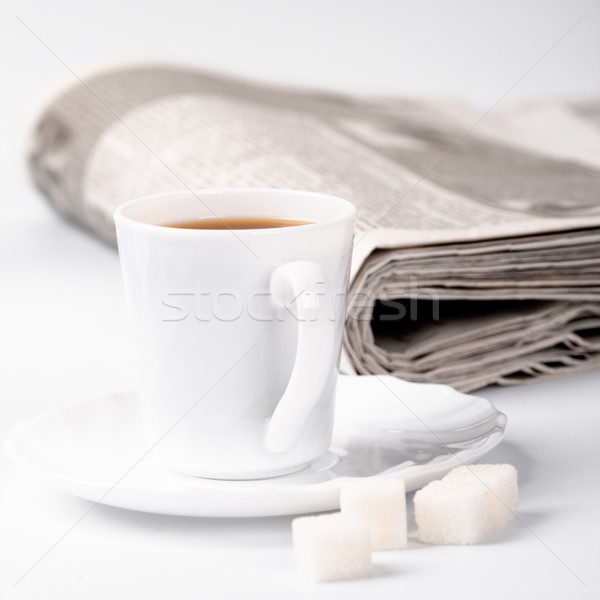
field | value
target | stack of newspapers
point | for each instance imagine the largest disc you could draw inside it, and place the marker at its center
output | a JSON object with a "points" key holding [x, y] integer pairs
{"points": [[477, 251]]}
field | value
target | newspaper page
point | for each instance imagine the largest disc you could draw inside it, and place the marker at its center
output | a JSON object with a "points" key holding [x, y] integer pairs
{"points": [[477, 252]]}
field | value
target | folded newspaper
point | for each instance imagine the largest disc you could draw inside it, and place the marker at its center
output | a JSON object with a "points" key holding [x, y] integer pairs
{"points": [[477, 250]]}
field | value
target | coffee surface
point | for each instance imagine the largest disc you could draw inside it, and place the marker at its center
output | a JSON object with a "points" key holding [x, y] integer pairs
{"points": [[237, 223]]}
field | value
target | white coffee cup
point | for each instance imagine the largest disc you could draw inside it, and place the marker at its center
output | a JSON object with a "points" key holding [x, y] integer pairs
{"points": [[237, 332]]}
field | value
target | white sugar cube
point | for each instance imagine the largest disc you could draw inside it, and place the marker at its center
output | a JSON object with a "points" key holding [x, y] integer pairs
{"points": [[381, 502], [500, 483], [467, 504], [332, 546], [452, 512]]}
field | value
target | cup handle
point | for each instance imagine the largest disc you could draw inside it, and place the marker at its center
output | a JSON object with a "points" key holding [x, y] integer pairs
{"points": [[296, 282]]}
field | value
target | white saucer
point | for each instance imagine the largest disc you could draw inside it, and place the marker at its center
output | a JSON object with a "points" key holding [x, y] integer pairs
{"points": [[383, 427]]}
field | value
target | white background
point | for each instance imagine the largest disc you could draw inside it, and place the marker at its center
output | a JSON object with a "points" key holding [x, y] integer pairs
{"points": [[63, 333]]}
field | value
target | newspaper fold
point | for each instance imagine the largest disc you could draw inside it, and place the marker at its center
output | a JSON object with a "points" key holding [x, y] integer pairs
{"points": [[477, 251]]}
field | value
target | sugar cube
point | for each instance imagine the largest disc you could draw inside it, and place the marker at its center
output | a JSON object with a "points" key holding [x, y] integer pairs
{"points": [[500, 483], [452, 512], [332, 546], [381, 502], [467, 504]]}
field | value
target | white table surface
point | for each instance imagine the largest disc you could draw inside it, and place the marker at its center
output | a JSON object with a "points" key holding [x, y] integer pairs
{"points": [[63, 326]]}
